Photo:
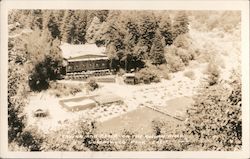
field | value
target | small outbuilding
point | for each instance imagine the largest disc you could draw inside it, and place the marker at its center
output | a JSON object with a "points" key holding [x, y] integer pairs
{"points": [[77, 104], [129, 78]]}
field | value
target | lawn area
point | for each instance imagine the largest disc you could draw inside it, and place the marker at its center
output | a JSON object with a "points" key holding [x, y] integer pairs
{"points": [[177, 107], [138, 121]]}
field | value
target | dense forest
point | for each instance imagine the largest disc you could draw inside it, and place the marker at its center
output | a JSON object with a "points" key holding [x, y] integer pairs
{"points": [[131, 37], [150, 43]]}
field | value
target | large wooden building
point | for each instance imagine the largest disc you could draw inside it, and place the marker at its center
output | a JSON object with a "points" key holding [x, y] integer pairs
{"points": [[83, 58], [87, 63]]}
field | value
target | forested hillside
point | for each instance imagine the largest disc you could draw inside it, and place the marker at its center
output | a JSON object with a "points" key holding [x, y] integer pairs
{"points": [[131, 37]]}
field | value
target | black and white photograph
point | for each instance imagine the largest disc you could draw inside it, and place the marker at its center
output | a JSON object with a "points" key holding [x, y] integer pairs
{"points": [[124, 80]]}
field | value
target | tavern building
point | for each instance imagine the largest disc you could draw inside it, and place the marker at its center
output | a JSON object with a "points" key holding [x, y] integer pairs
{"points": [[84, 59]]}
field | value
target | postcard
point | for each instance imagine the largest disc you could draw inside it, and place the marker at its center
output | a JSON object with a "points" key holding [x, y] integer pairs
{"points": [[124, 79]]}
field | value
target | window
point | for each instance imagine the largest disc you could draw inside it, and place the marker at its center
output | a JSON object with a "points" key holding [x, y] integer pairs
{"points": [[76, 67], [69, 68]]}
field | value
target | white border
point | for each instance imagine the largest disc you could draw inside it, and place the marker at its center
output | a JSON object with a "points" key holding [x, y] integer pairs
{"points": [[126, 5]]}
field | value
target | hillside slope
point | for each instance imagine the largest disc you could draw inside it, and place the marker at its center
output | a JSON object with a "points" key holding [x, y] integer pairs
{"points": [[223, 48]]}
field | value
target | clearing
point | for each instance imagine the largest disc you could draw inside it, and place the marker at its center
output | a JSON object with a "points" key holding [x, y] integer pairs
{"points": [[172, 96]]}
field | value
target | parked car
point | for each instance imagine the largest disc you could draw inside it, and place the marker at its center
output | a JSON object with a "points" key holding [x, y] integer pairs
{"points": [[41, 113]]}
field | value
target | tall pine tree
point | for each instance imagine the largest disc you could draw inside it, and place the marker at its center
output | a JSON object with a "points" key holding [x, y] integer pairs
{"points": [[165, 26], [68, 26], [54, 25], [93, 29], [156, 55], [80, 25], [180, 24], [147, 25]]}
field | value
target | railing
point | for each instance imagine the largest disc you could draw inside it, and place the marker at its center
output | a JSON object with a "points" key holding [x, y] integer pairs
{"points": [[84, 75], [163, 112]]}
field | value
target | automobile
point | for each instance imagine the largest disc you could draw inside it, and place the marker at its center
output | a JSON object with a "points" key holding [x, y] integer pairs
{"points": [[41, 113], [129, 78]]}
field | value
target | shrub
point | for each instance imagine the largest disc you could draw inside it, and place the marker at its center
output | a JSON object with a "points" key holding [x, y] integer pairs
{"points": [[17, 99], [180, 53], [207, 52], [182, 41], [44, 72], [157, 127], [61, 89], [13, 146], [176, 58], [129, 144], [204, 57], [214, 120], [225, 21], [184, 55], [190, 74], [121, 72], [75, 136], [174, 63], [193, 52], [92, 84], [31, 139], [74, 89], [213, 73], [164, 130], [164, 72], [146, 75]]}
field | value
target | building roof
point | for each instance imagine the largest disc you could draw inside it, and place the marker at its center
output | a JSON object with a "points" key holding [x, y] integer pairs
{"points": [[70, 51], [83, 102], [87, 58], [129, 75], [107, 98]]}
